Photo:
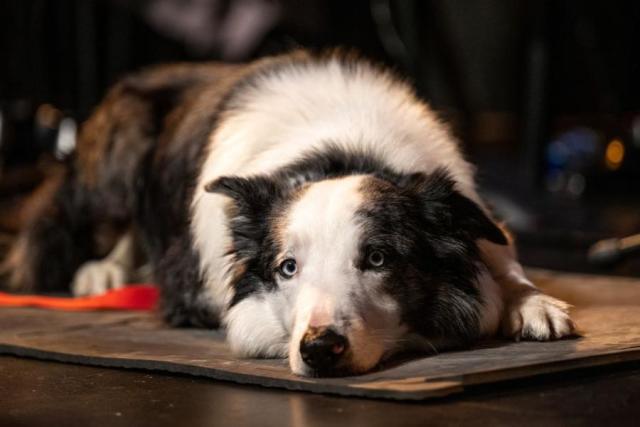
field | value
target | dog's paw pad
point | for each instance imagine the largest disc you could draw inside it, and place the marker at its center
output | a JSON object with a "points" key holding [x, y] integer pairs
{"points": [[538, 317], [97, 277]]}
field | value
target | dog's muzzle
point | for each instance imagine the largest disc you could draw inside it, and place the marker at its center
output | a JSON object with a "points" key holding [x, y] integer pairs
{"points": [[322, 348]]}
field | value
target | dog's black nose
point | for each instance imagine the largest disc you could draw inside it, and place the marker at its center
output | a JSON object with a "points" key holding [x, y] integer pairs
{"points": [[322, 348]]}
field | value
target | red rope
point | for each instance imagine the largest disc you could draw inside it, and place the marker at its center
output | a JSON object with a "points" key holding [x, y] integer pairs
{"points": [[136, 297]]}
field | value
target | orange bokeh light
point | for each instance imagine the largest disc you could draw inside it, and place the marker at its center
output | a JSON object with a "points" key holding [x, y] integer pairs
{"points": [[614, 154]]}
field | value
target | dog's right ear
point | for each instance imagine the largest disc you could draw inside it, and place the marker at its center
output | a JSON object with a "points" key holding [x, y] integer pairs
{"points": [[245, 190], [252, 196]]}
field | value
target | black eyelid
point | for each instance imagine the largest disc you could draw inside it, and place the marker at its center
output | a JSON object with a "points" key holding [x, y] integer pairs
{"points": [[386, 251], [375, 248]]}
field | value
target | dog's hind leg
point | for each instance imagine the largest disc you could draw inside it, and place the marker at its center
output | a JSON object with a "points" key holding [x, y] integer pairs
{"points": [[528, 312], [112, 272]]}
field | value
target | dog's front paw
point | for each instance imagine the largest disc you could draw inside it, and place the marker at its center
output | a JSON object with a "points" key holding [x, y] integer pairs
{"points": [[97, 277], [539, 317]]}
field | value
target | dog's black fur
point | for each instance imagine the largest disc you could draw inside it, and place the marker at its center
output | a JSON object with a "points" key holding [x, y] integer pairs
{"points": [[427, 230]]}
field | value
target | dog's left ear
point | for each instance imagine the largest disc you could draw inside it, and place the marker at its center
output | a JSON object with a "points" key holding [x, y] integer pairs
{"points": [[447, 207]]}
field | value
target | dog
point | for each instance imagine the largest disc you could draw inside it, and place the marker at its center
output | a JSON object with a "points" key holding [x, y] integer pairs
{"points": [[309, 204]]}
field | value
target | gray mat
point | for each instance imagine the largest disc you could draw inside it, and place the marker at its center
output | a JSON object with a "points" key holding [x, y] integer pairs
{"points": [[607, 311]]}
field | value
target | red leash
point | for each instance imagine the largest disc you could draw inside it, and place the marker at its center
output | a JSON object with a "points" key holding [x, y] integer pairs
{"points": [[136, 297]]}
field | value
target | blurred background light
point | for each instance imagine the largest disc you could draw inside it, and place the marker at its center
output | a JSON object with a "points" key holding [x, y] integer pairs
{"points": [[614, 154]]}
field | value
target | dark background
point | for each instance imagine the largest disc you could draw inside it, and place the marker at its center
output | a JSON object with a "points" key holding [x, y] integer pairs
{"points": [[537, 91]]}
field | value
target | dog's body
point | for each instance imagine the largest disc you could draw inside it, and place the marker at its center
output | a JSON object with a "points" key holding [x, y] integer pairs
{"points": [[311, 205]]}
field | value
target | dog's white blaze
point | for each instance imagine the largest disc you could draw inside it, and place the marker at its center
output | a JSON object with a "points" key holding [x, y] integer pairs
{"points": [[323, 234], [309, 106], [322, 226]]}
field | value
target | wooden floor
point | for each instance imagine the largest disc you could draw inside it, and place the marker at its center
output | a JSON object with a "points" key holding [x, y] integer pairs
{"points": [[35, 393]]}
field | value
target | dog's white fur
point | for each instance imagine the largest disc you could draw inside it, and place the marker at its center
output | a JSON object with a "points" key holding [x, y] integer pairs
{"points": [[112, 272]]}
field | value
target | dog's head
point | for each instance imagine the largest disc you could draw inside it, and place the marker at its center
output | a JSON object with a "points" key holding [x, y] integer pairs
{"points": [[360, 264]]}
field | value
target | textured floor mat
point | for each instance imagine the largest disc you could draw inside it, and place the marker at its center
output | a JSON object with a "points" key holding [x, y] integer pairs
{"points": [[607, 311]]}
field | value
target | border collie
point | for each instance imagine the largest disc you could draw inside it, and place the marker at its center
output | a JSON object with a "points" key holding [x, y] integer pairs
{"points": [[309, 204]]}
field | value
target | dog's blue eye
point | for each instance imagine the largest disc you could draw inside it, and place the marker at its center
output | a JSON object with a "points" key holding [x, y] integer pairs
{"points": [[375, 259], [288, 268]]}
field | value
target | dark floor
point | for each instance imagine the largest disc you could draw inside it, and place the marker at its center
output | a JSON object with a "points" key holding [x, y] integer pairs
{"points": [[34, 393]]}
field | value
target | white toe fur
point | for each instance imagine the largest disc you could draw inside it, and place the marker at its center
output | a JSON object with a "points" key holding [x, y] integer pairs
{"points": [[528, 313], [97, 277], [539, 317], [112, 272]]}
